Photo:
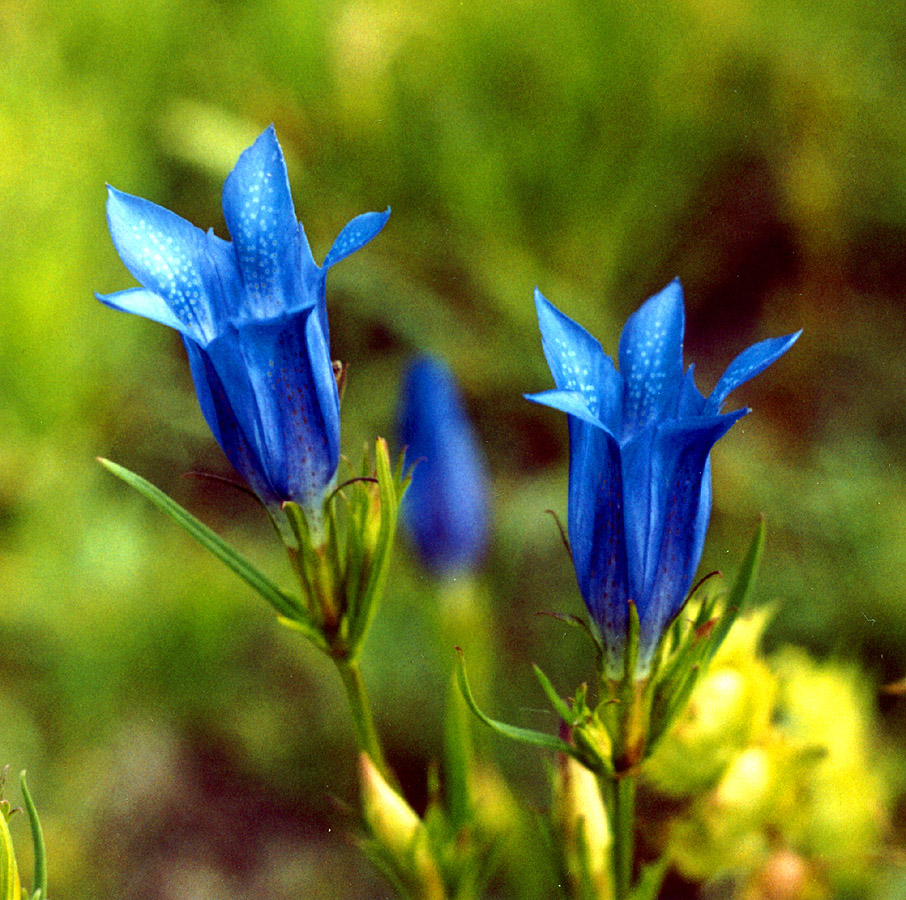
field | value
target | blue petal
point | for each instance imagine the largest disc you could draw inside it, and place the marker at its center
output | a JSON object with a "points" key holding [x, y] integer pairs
{"points": [[663, 472], [355, 235], [277, 379], [747, 365], [651, 356], [218, 413], [578, 363], [259, 213], [144, 303], [689, 402], [167, 255], [596, 531], [572, 402]]}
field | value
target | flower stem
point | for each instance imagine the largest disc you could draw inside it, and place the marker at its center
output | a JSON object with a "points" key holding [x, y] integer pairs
{"points": [[623, 788], [365, 732]]}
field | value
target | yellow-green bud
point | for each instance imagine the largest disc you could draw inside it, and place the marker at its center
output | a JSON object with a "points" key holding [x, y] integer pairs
{"points": [[399, 832], [10, 888], [583, 825]]}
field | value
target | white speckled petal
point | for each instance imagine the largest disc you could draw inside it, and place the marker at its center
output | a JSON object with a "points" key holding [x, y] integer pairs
{"points": [[259, 213], [747, 365], [651, 355], [572, 402], [355, 235], [144, 303], [166, 255], [578, 363]]}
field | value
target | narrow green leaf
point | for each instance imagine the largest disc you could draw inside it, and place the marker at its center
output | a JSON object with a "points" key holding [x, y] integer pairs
{"points": [[555, 699], [285, 604], [39, 879], [741, 591], [523, 735], [311, 631]]}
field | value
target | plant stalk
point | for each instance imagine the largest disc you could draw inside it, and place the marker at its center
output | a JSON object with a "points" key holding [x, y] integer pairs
{"points": [[362, 718], [623, 793]]}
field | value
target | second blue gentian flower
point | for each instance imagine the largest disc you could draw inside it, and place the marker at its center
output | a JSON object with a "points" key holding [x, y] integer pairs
{"points": [[446, 508], [252, 314], [639, 472]]}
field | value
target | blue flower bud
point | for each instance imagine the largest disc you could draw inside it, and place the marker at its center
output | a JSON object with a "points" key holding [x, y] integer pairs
{"points": [[253, 317], [446, 507], [639, 471]]}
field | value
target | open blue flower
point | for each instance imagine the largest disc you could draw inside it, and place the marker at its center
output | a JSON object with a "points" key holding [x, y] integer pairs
{"points": [[253, 318], [639, 472], [446, 506]]}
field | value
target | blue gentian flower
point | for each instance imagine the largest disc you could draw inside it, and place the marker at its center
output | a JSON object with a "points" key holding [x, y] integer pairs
{"points": [[639, 472], [446, 507], [253, 318]]}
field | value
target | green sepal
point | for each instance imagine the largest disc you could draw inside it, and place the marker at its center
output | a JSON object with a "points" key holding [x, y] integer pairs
{"points": [[392, 486], [39, 877], [284, 603], [513, 732], [559, 704]]}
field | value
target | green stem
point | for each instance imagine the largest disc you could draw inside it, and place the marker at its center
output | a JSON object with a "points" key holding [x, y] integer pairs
{"points": [[365, 732], [623, 833]]}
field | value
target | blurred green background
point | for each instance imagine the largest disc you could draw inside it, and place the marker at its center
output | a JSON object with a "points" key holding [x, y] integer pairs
{"points": [[179, 742]]}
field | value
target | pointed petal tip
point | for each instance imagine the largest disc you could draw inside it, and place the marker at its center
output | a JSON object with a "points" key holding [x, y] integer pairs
{"points": [[541, 302], [355, 235]]}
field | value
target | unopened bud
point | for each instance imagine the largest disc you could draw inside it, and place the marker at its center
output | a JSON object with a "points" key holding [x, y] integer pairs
{"points": [[10, 888], [399, 832], [583, 825]]}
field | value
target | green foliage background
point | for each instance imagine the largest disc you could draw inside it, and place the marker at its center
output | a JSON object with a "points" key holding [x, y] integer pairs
{"points": [[179, 742]]}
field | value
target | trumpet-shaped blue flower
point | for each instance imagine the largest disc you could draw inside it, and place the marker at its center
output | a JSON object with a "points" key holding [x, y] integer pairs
{"points": [[446, 506], [639, 474], [253, 317]]}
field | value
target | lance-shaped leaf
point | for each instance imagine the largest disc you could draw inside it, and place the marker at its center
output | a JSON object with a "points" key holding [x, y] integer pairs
{"points": [[39, 878], [513, 732], [285, 604]]}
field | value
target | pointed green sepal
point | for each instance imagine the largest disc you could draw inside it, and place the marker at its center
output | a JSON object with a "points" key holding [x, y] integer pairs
{"points": [[631, 653], [284, 603], [558, 703], [39, 878], [391, 486]]}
